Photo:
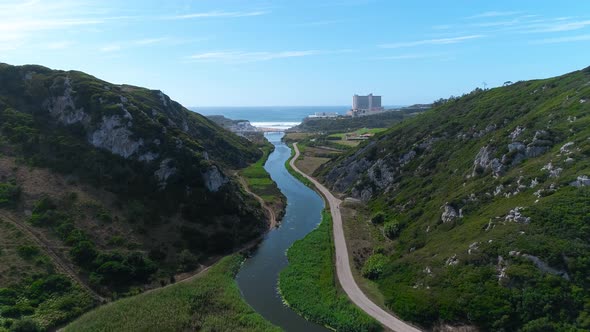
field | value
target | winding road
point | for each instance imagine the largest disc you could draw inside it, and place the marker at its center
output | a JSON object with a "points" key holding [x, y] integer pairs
{"points": [[343, 268]]}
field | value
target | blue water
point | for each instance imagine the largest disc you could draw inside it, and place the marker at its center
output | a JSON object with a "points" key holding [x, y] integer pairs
{"points": [[259, 275], [269, 114]]}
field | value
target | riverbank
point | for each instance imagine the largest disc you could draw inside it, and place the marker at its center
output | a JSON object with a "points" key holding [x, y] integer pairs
{"points": [[211, 302], [343, 268], [309, 285], [258, 277]]}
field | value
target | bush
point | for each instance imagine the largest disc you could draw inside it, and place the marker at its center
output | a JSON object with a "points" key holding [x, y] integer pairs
{"points": [[9, 194], [187, 261], [391, 229], [25, 325], [378, 219], [84, 253], [28, 252], [374, 266]]}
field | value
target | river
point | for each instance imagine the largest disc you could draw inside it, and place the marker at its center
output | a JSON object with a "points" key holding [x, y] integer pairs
{"points": [[259, 275]]}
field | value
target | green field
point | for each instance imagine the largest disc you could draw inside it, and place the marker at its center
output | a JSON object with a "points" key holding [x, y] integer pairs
{"points": [[310, 287], [296, 174], [361, 131], [209, 302], [259, 181]]}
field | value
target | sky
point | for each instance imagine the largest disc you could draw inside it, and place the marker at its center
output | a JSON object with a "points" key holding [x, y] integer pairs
{"points": [[300, 52]]}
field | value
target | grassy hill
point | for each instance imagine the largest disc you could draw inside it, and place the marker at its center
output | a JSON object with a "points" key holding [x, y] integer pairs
{"points": [[344, 124], [478, 210], [121, 184]]}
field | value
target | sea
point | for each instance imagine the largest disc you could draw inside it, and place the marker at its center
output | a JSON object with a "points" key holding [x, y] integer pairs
{"points": [[276, 117]]}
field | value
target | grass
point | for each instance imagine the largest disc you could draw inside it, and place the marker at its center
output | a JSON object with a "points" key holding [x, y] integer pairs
{"points": [[418, 283], [340, 138], [210, 302], [256, 176], [296, 174], [260, 182], [310, 287]]}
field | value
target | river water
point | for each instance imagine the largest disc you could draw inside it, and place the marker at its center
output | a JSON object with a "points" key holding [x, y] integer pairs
{"points": [[259, 275]]}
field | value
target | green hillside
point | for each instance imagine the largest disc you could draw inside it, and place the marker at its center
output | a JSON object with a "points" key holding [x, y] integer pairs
{"points": [[484, 202], [124, 185]]}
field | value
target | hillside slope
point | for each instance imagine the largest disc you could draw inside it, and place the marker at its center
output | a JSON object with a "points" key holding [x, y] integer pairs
{"points": [[484, 206], [126, 185]]}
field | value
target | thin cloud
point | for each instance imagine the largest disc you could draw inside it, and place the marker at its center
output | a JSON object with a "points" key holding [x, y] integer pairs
{"points": [[319, 23], [59, 45], [217, 14], [560, 26], [568, 39], [439, 41], [239, 56], [407, 57], [110, 48], [150, 41], [492, 14], [497, 23]]}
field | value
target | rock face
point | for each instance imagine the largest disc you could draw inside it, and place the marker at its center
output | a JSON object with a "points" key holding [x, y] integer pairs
{"points": [[581, 181], [449, 214], [62, 106], [483, 161], [114, 136], [214, 179], [515, 215], [164, 172]]}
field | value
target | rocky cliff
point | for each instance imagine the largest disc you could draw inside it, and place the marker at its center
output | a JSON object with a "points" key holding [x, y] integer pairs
{"points": [[154, 176], [475, 179]]}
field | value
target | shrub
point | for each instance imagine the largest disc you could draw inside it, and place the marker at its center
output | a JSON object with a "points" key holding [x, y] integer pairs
{"points": [[187, 261], [391, 229], [374, 266], [84, 253], [9, 194], [25, 325], [27, 252], [378, 219]]}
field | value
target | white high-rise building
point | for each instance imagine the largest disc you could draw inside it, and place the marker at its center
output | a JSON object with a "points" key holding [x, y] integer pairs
{"points": [[365, 105]]}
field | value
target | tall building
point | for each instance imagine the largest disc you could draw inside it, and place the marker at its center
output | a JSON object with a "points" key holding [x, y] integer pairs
{"points": [[369, 102], [365, 105]]}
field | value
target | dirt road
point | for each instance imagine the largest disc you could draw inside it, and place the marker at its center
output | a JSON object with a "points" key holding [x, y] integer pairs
{"points": [[343, 268]]}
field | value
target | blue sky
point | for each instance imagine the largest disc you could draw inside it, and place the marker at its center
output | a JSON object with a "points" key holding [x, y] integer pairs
{"points": [[303, 52]]}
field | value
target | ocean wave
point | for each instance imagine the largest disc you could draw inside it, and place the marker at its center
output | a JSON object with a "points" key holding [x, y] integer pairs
{"points": [[275, 124]]}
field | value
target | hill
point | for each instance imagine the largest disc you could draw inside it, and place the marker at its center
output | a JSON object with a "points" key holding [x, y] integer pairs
{"points": [[120, 186], [343, 124], [477, 212]]}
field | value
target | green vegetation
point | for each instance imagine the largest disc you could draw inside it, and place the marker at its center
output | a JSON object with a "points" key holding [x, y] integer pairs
{"points": [[9, 194], [209, 302], [32, 293], [115, 269], [310, 286], [296, 174], [260, 182], [347, 124], [137, 187], [184, 146], [361, 131], [481, 264]]}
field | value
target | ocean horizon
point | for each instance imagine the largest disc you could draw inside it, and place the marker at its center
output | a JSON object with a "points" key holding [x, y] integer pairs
{"points": [[278, 117]]}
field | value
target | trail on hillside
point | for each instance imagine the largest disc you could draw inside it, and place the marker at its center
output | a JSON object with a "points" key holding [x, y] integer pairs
{"points": [[59, 263]]}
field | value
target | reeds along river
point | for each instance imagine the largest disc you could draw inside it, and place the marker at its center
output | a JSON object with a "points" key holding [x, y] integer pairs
{"points": [[259, 275]]}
